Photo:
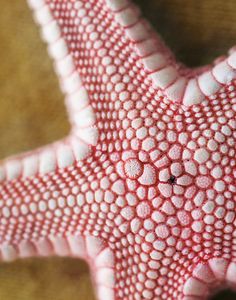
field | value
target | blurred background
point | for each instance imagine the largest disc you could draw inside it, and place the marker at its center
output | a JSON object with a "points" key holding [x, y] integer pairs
{"points": [[32, 112]]}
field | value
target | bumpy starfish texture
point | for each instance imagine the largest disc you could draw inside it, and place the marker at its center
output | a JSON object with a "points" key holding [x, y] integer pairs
{"points": [[144, 187]]}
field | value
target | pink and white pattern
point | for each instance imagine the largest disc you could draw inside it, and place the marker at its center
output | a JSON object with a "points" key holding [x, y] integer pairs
{"points": [[143, 188]]}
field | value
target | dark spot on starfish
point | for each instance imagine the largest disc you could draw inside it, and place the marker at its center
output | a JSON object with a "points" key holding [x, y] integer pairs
{"points": [[172, 179]]}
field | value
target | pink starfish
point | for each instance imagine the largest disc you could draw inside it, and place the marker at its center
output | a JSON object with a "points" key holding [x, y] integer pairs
{"points": [[144, 186]]}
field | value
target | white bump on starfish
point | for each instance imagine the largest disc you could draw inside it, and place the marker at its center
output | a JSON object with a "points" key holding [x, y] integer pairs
{"points": [[190, 168], [105, 259], [106, 293], [94, 245], [219, 267], [51, 32], [44, 247], [29, 165], [146, 48], [106, 275], [133, 168], [154, 62], [78, 100], [127, 213], [47, 161], [165, 77], [63, 62], [26, 249], [12, 169], [43, 15], [65, 156], [231, 273], [80, 149], [219, 185], [71, 84], [135, 225], [197, 226], [208, 84], [195, 287], [176, 90], [232, 60], [165, 189], [162, 231], [184, 180], [168, 208], [203, 181], [193, 94], [148, 176], [85, 117], [201, 155], [143, 210], [118, 187], [223, 72], [88, 135], [137, 32], [203, 272], [177, 201], [8, 253], [60, 246], [128, 16]]}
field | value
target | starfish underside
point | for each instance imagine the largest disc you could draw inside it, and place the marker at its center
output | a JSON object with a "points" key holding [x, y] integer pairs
{"points": [[143, 188]]}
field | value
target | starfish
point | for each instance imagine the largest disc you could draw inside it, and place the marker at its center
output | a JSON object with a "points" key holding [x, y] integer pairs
{"points": [[143, 187]]}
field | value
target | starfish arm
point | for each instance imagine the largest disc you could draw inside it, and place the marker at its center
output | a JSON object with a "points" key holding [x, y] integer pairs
{"points": [[59, 154], [94, 43], [52, 203], [48, 195]]}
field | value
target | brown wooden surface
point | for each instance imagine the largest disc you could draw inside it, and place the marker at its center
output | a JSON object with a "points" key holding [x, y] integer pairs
{"points": [[32, 112]]}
